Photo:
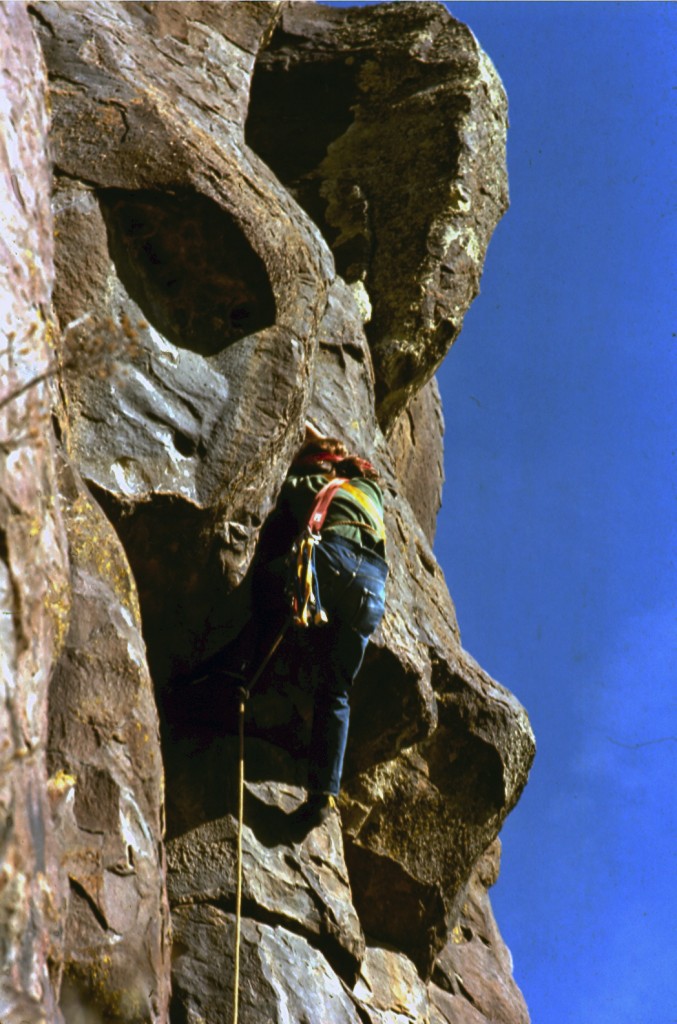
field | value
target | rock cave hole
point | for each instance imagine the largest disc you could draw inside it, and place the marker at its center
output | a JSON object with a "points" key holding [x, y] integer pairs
{"points": [[295, 112], [188, 266]]}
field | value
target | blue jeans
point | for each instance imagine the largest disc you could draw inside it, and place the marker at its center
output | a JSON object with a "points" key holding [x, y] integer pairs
{"points": [[352, 583]]}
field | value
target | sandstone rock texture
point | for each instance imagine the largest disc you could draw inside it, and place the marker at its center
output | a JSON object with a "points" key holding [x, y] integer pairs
{"points": [[236, 216], [34, 568]]}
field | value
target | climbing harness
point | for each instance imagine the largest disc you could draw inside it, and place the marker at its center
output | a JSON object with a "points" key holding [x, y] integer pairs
{"points": [[307, 608]]}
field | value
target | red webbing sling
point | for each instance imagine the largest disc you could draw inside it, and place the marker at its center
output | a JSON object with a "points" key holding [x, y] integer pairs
{"points": [[306, 607]]}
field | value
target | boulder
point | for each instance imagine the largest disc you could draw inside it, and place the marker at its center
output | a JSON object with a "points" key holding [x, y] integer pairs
{"points": [[287, 979], [416, 825], [389, 989]]}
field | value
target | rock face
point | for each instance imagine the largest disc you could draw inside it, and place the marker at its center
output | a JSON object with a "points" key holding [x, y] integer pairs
{"points": [[34, 592], [261, 212], [103, 744], [417, 446], [396, 148], [472, 978]]}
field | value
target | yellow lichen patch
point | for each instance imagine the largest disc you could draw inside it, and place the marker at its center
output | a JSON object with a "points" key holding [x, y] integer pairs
{"points": [[94, 544], [60, 783], [51, 333], [50, 905], [97, 984], [58, 605]]}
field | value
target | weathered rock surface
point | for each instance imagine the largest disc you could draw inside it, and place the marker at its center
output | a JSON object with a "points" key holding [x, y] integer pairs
{"points": [[287, 978], [34, 598], [204, 272], [388, 125], [416, 824], [262, 212], [417, 445], [473, 981], [104, 749], [300, 881], [390, 990]]}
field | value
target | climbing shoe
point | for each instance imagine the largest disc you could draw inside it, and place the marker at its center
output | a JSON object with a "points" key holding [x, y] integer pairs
{"points": [[314, 810]]}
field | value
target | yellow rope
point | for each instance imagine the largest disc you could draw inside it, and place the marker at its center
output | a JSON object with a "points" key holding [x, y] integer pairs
{"points": [[238, 892], [244, 693]]}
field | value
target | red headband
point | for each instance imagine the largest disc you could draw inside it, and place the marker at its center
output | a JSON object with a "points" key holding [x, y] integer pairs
{"points": [[323, 457], [362, 464]]}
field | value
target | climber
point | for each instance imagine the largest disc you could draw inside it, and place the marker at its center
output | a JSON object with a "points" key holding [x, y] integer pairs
{"points": [[342, 604]]}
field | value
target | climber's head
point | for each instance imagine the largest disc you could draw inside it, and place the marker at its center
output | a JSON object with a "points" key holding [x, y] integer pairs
{"points": [[319, 455], [330, 456]]}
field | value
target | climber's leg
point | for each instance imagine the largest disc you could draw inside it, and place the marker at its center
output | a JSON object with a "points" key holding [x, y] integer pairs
{"points": [[339, 653], [352, 587]]}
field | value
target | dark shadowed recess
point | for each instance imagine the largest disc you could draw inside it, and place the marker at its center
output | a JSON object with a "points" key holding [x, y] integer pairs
{"points": [[187, 610], [294, 114], [415, 918], [189, 267], [380, 728], [183, 595]]}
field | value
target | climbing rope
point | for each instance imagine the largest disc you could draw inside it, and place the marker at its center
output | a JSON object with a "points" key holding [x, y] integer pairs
{"points": [[243, 695], [240, 823], [306, 610]]}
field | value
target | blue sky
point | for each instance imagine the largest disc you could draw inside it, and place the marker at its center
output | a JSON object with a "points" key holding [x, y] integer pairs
{"points": [[557, 533]]}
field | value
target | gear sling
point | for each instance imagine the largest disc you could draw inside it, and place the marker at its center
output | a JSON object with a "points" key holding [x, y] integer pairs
{"points": [[306, 604]]}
